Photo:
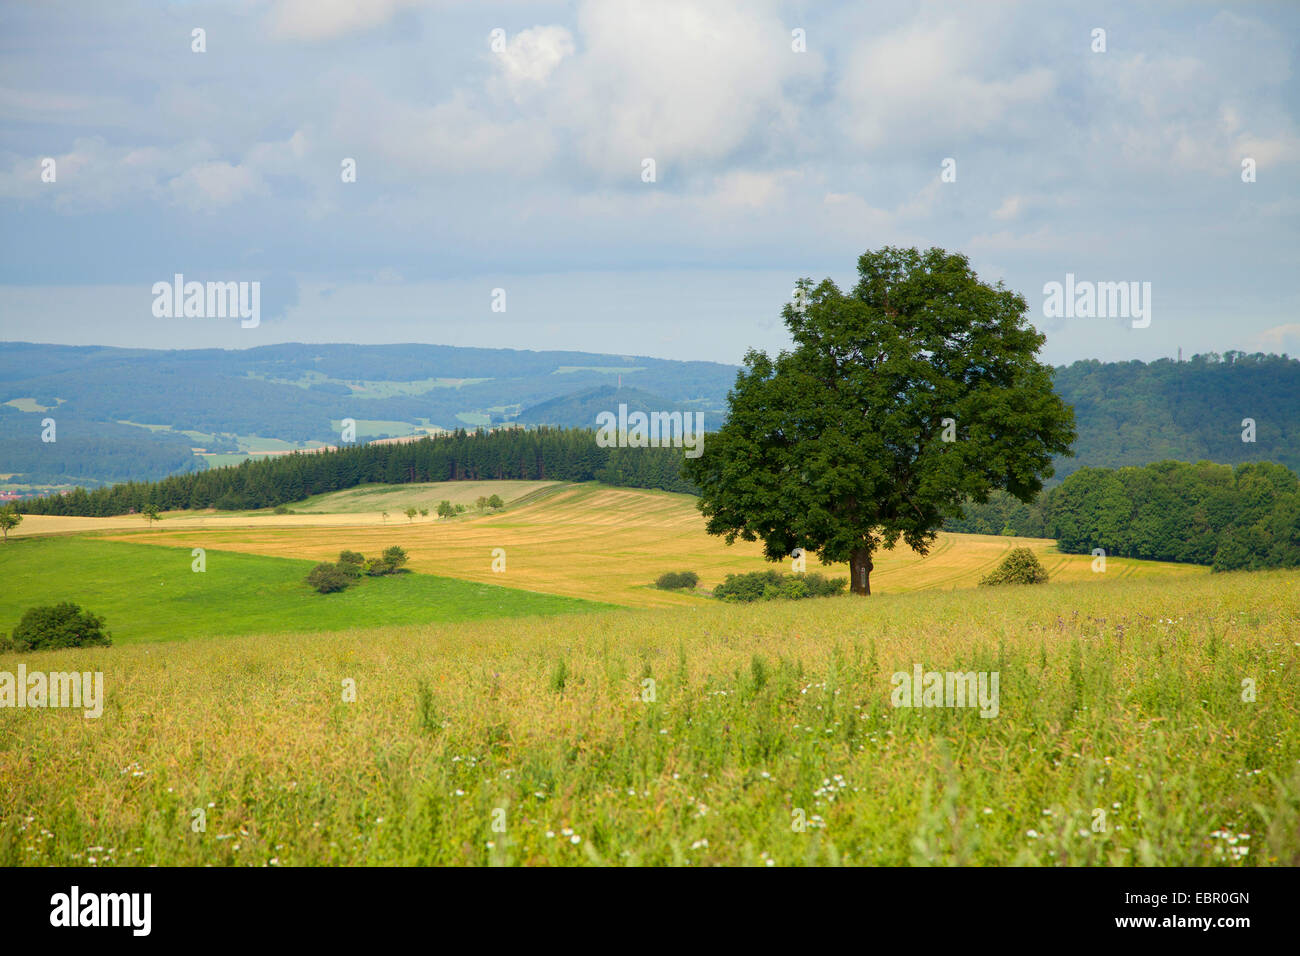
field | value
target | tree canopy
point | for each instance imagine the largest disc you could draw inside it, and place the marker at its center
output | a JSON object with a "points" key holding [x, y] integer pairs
{"points": [[917, 390]]}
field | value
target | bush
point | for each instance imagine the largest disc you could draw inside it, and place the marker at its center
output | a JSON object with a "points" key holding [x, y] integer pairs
{"points": [[328, 578], [350, 563], [388, 563], [60, 625], [675, 580], [1018, 567], [773, 585], [445, 510]]}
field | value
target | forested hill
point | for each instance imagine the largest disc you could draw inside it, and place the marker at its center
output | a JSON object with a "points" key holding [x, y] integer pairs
{"points": [[1135, 413], [137, 413]]}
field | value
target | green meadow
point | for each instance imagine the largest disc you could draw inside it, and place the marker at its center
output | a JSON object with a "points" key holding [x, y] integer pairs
{"points": [[152, 593]]}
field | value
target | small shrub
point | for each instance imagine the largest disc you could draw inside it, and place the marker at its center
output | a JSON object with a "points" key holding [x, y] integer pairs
{"points": [[1020, 566], [773, 585], [496, 502], [50, 627], [328, 578], [282, 510], [677, 580], [351, 563]]}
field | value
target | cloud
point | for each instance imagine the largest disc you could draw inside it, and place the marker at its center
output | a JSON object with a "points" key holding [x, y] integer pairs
{"points": [[211, 186], [677, 81], [532, 55], [313, 20], [1011, 208], [935, 83], [1279, 338]]}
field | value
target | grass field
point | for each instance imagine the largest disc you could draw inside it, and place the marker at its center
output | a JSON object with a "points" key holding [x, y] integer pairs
{"points": [[587, 541], [153, 594], [1122, 737]]}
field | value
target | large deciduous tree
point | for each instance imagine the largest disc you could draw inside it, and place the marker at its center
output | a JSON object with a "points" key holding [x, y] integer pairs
{"points": [[918, 390]]}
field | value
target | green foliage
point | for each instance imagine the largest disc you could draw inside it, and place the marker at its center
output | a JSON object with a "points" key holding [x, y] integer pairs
{"points": [[555, 454], [494, 501], [837, 447], [1135, 413], [1020, 566], [9, 518], [328, 578], [351, 563], [677, 580], [772, 585], [1241, 518], [411, 512], [51, 627], [393, 558]]}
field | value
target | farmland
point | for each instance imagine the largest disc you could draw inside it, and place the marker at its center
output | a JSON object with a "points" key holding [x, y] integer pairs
{"points": [[580, 540], [671, 730], [154, 594]]}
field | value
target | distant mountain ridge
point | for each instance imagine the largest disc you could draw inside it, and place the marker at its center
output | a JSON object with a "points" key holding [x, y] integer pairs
{"points": [[138, 413], [581, 408]]}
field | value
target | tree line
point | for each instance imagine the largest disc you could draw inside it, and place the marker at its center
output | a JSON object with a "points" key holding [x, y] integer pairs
{"points": [[542, 454], [1233, 518]]}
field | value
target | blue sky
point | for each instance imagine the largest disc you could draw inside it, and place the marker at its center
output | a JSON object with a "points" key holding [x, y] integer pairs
{"points": [[520, 168]]}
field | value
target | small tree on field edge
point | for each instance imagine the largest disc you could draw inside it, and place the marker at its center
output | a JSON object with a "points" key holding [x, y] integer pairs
{"points": [[9, 518]]}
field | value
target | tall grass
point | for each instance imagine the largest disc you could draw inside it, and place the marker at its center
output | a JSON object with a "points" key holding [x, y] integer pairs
{"points": [[1122, 738]]}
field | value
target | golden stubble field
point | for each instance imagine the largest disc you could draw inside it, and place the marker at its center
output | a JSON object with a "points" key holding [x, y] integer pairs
{"points": [[588, 541]]}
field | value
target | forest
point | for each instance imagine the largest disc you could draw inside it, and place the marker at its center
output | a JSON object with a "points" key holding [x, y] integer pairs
{"points": [[1231, 517], [544, 454]]}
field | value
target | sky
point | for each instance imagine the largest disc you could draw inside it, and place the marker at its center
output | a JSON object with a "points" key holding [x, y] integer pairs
{"points": [[504, 146]]}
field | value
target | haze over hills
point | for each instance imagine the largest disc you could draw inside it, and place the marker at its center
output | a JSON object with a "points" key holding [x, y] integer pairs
{"points": [[141, 414]]}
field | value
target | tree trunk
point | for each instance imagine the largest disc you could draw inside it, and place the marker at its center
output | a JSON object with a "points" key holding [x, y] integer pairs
{"points": [[860, 568]]}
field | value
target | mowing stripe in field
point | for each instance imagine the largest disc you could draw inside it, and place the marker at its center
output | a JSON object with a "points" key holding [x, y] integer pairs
{"points": [[608, 544]]}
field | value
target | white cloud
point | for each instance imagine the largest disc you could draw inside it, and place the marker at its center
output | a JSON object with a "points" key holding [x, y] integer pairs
{"points": [[1011, 208], [677, 81], [532, 55], [327, 19], [211, 186], [928, 83], [1279, 338]]}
